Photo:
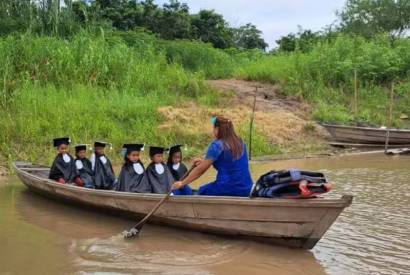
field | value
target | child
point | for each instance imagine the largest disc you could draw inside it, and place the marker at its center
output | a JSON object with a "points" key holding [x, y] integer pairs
{"points": [[132, 177], [159, 176], [178, 169], [104, 177], [84, 166], [63, 169]]}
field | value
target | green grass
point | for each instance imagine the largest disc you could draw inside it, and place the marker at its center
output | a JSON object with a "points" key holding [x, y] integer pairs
{"points": [[110, 85], [88, 88], [324, 77]]}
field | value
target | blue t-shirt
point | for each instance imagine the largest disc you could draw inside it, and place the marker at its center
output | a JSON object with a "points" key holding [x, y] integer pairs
{"points": [[215, 149], [233, 178]]}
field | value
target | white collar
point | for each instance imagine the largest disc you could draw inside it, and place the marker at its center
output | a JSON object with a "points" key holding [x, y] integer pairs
{"points": [[176, 166], [159, 167]]}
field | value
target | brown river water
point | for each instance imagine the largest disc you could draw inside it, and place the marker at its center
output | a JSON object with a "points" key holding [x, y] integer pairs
{"points": [[40, 236]]}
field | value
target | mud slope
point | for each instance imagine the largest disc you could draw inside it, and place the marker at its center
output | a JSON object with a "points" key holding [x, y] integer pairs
{"points": [[283, 121]]}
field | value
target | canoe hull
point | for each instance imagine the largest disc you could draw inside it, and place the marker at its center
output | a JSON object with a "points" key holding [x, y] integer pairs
{"points": [[367, 135], [292, 223]]}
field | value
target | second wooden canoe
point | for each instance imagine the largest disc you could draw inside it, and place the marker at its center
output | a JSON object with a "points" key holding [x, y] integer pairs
{"points": [[367, 135]]}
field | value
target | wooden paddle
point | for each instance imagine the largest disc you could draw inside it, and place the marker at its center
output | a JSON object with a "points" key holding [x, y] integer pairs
{"points": [[134, 232]]}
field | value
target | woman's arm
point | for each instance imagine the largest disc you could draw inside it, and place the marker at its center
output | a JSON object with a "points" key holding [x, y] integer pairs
{"points": [[195, 174]]}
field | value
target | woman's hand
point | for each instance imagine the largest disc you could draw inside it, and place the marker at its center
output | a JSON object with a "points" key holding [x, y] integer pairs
{"points": [[177, 185], [197, 162]]}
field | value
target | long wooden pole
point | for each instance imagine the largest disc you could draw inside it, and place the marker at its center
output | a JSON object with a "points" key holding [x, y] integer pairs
{"points": [[390, 118], [251, 123], [356, 95], [133, 232]]}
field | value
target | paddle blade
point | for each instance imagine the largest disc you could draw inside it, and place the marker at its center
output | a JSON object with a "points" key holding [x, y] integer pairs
{"points": [[133, 233]]}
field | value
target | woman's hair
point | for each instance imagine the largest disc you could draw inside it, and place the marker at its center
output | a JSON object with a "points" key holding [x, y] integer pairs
{"points": [[230, 139], [126, 160]]}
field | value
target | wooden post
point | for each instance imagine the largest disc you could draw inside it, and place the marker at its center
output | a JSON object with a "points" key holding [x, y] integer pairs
{"points": [[356, 95], [390, 118], [251, 124]]}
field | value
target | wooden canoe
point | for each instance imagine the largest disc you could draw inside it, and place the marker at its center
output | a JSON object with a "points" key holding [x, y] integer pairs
{"points": [[292, 223], [367, 135]]}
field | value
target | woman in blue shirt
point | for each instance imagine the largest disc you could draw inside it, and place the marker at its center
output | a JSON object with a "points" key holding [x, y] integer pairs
{"points": [[227, 153]]}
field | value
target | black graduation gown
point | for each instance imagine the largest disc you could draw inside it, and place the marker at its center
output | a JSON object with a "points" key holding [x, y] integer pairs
{"points": [[130, 181], [179, 173], [62, 169], [104, 177], [85, 170], [160, 183]]}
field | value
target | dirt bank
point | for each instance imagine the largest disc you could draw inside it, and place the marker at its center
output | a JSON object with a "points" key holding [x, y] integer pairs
{"points": [[282, 121]]}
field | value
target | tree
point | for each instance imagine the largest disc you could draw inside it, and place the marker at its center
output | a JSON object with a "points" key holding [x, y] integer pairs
{"points": [[150, 15], [175, 22], [211, 27], [304, 40], [249, 37], [369, 17], [15, 16]]}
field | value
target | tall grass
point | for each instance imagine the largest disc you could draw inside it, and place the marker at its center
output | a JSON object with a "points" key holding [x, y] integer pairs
{"points": [[110, 85], [37, 114], [324, 77], [92, 87], [200, 57]]}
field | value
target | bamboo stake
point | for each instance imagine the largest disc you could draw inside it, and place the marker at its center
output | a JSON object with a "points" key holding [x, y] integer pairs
{"points": [[251, 123], [390, 118], [356, 95]]}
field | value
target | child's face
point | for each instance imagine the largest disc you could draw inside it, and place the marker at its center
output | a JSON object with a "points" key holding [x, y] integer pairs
{"points": [[176, 157], [63, 149], [158, 158], [82, 154], [99, 150], [134, 156]]}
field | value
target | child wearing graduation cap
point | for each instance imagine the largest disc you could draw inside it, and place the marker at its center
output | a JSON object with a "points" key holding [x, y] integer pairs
{"points": [[178, 169], [84, 166], [63, 169], [132, 177], [158, 174], [104, 177]]}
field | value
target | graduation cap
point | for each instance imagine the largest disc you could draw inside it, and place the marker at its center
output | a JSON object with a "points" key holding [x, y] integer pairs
{"points": [[133, 147], [102, 144], [175, 148], [80, 147], [59, 141], [154, 150]]}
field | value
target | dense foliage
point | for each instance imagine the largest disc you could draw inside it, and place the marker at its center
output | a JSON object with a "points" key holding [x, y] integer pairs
{"points": [[171, 21], [92, 70]]}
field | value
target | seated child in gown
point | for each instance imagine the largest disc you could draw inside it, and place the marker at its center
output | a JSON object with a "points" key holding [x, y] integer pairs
{"points": [[132, 177], [159, 176]]}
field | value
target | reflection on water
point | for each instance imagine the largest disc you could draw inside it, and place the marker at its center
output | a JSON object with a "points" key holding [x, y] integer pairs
{"points": [[370, 237], [92, 243]]}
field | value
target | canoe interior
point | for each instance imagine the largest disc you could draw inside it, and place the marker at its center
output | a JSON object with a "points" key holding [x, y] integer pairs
{"points": [[367, 135], [292, 223]]}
